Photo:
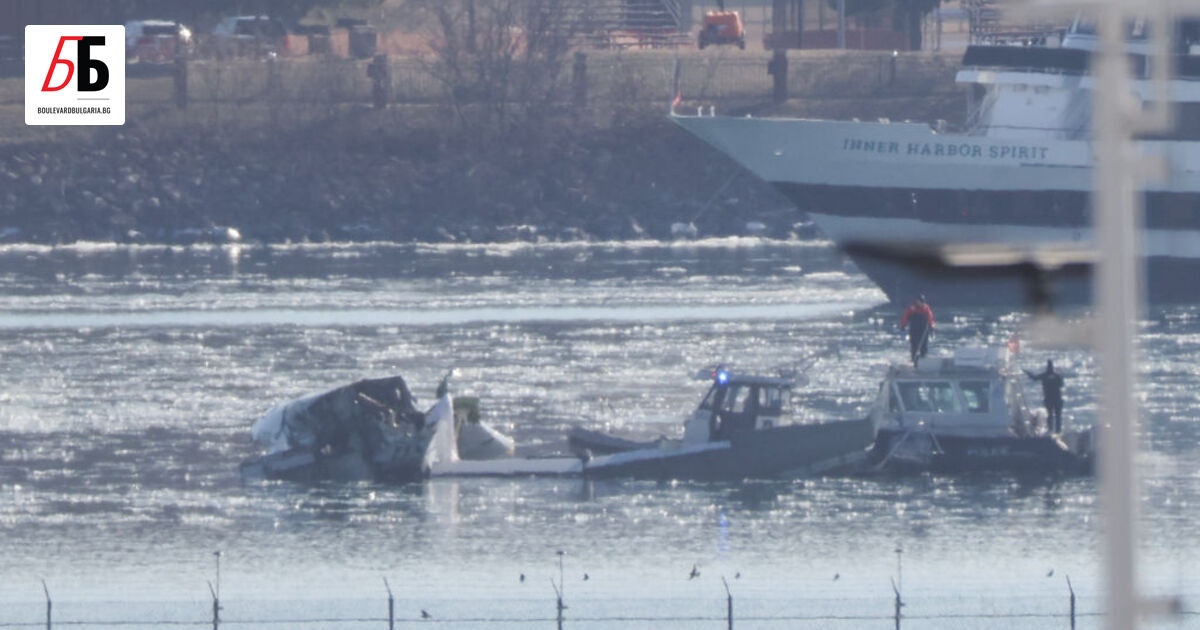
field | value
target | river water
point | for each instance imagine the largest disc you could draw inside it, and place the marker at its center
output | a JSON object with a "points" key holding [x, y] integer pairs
{"points": [[131, 376]]}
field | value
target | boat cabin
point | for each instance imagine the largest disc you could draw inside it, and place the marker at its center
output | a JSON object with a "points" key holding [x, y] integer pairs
{"points": [[739, 403], [973, 393]]}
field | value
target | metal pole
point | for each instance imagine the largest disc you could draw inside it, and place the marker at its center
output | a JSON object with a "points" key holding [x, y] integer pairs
{"points": [[558, 604], [728, 603], [938, 12], [1072, 590], [391, 606], [562, 588], [841, 38], [218, 556], [216, 607], [896, 590], [1117, 216], [49, 604]]}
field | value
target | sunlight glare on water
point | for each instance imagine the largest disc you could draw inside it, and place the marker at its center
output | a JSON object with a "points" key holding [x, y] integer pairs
{"points": [[132, 375]]}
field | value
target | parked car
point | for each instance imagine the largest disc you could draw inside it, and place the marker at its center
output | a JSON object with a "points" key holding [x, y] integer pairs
{"points": [[156, 40], [249, 35]]}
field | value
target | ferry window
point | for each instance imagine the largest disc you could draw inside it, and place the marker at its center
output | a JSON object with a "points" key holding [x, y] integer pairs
{"points": [[975, 395], [893, 401]]}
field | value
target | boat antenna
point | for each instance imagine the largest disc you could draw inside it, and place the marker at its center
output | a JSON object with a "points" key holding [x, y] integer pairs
{"points": [[443, 387]]}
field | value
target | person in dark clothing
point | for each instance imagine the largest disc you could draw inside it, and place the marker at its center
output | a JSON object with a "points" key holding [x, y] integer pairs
{"points": [[918, 318], [1052, 386]]}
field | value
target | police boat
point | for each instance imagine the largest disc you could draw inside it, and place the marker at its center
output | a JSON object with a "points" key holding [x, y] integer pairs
{"points": [[742, 428], [967, 412]]}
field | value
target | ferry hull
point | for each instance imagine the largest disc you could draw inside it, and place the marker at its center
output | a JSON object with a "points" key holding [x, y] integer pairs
{"points": [[904, 183]]}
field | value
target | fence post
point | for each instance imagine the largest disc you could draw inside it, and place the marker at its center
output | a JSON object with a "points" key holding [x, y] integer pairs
{"points": [[49, 604], [898, 603], [391, 606], [728, 603], [559, 601], [1072, 591], [216, 608]]}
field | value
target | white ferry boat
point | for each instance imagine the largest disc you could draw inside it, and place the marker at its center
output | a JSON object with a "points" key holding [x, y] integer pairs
{"points": [[1019, 172]]}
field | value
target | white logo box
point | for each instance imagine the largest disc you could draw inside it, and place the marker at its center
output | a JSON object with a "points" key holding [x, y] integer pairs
{"points": [[68, 104]]}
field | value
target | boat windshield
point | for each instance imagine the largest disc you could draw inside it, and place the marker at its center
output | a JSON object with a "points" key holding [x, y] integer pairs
{"points": [[975, 395], [715, 397], [928, 396], [738, 399]]}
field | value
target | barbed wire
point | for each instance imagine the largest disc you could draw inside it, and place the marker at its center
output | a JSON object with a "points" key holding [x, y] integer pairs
{"points": [[552, 619]]}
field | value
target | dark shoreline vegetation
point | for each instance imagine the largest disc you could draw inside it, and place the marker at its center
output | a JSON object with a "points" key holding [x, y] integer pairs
{"points": [[299, 169]]}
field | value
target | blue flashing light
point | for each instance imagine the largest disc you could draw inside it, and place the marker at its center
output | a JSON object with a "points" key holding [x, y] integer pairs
{"points": [[722, 376]]}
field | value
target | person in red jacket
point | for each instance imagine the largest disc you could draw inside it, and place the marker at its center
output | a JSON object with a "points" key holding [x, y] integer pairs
{"points": [[918, 318]]}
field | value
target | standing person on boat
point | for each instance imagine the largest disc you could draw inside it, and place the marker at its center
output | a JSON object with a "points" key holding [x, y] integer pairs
{"points": [[1052, 386], [918, 318]]}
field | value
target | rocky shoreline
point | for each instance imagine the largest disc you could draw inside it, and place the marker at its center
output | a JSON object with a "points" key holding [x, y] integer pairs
{"points": [[222, 171], [237, 165], [634, 181]]}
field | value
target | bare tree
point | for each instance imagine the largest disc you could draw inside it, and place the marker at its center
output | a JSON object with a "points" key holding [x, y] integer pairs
{"points": [[500, 62]]}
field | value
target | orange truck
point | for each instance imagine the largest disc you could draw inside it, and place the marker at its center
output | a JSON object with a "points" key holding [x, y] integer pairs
{"points": [[722, 27]]}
